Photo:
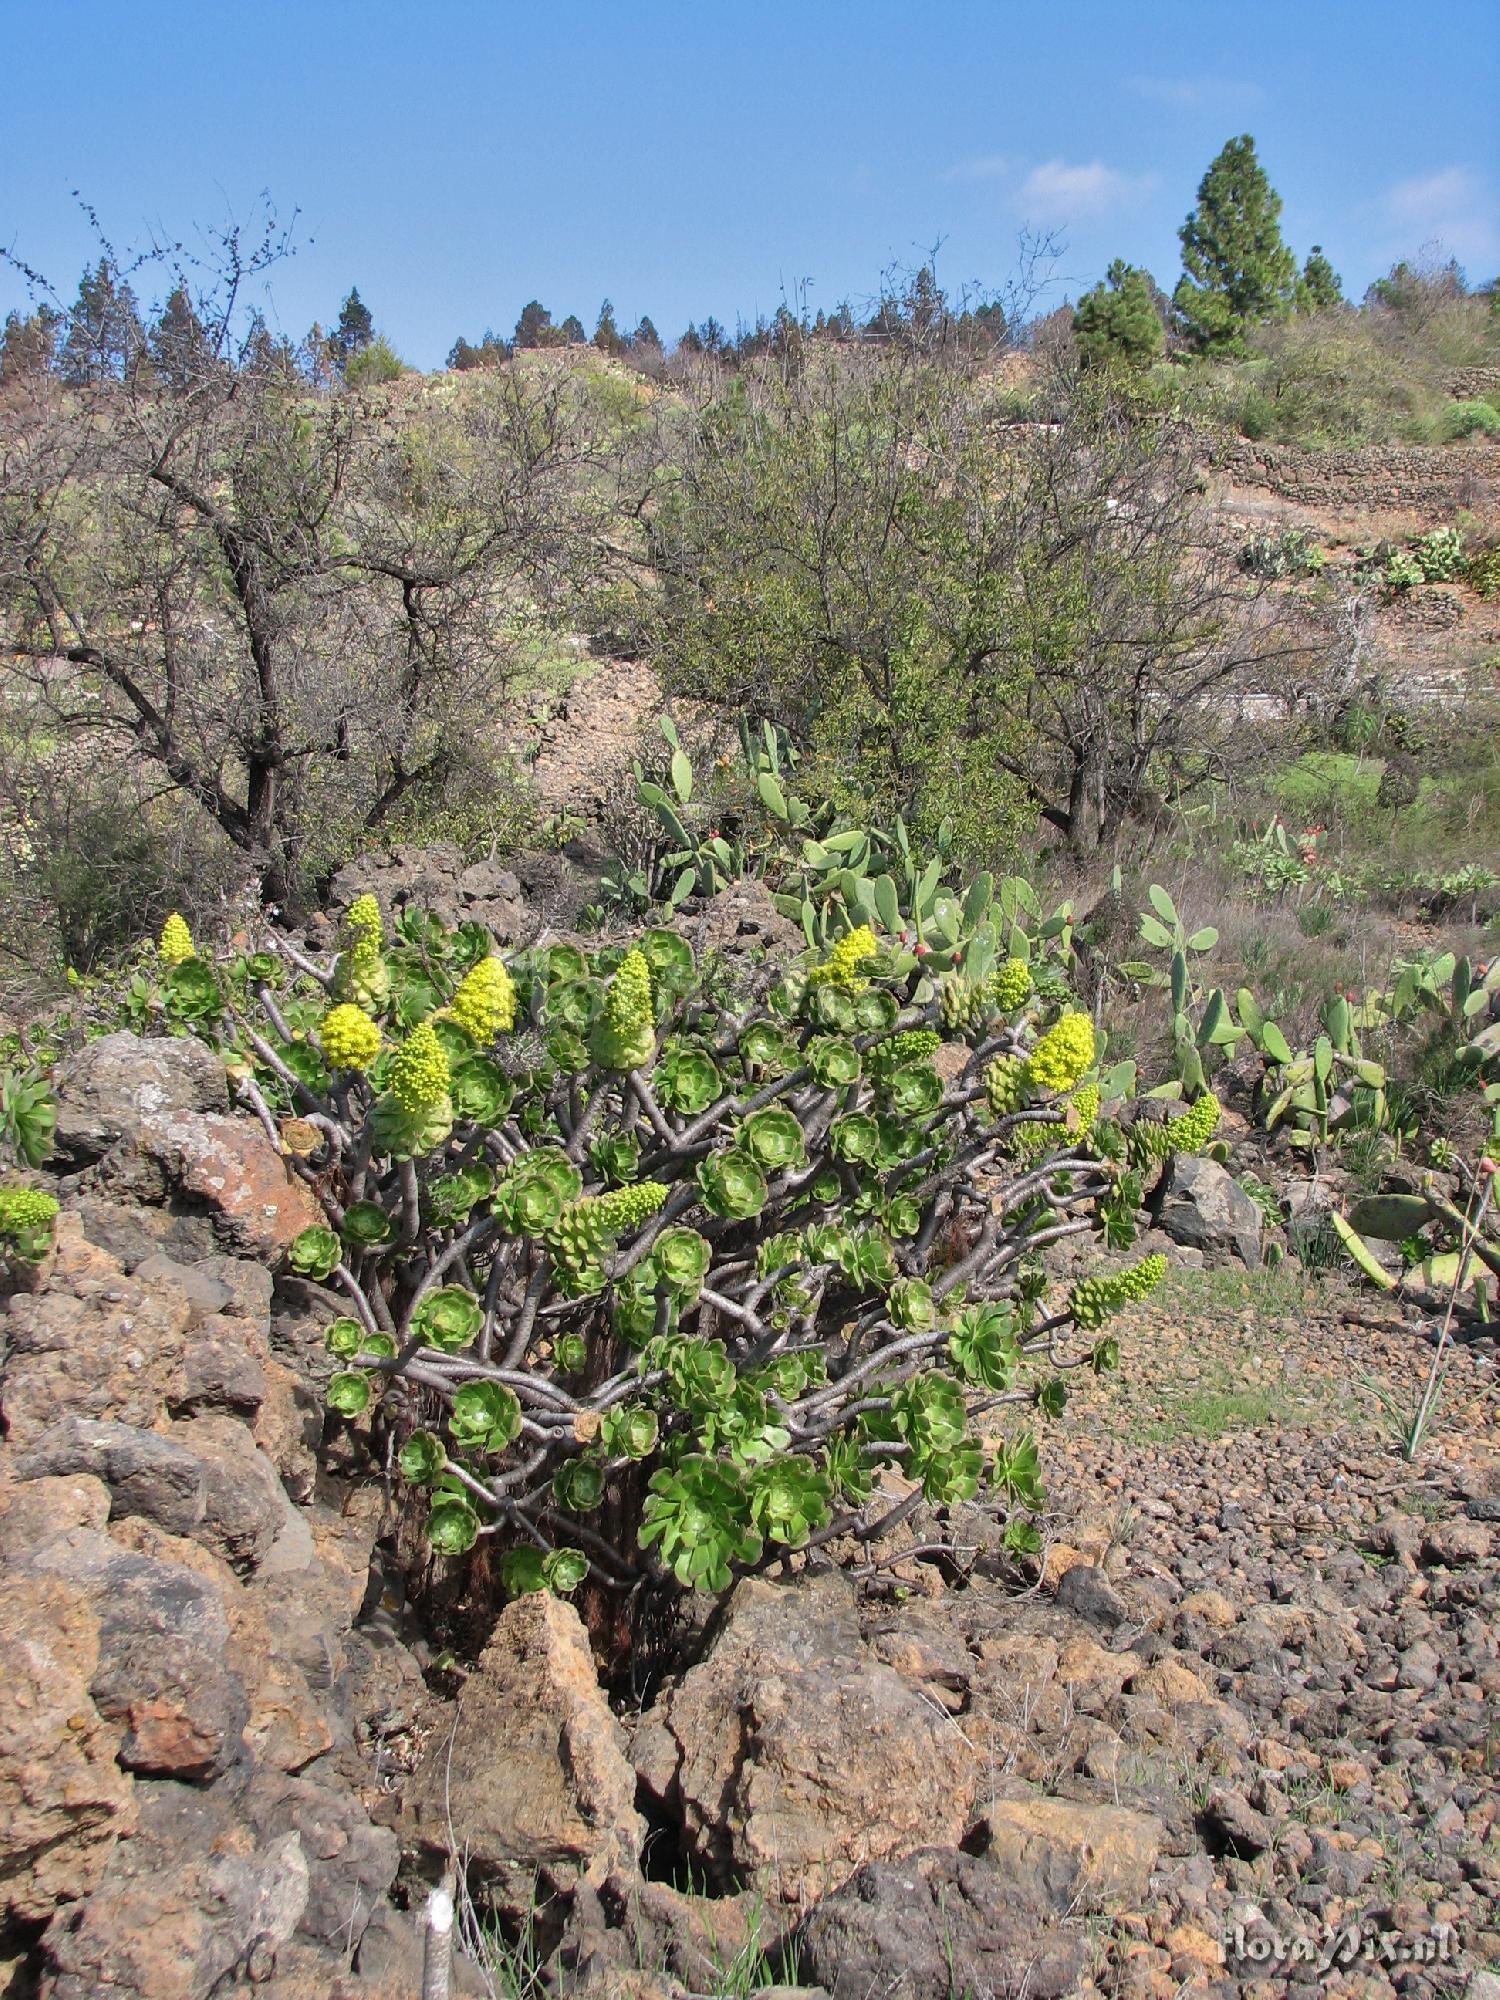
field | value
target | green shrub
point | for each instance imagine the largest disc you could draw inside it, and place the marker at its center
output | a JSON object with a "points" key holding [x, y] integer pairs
{"points": [[1275, 557], [1470, 419], [725, 1249], [1402, 572], [1439, 555], [90, 858], [378, 362], [1118, 324], [1482, 572]]}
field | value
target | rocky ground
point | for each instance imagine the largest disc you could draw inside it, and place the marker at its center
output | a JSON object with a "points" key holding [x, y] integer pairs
{"points": [[1238, 1726], [1319, 1618]]}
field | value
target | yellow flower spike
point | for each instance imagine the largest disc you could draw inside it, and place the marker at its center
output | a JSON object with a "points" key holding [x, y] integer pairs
{"points": [[624, 1035], [485, 1004], [176, 946], [350, 1038], [1063, 1054], [363, 925], [419, 1077], [841, 967]]}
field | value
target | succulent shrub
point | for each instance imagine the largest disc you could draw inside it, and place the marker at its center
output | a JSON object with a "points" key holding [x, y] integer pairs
{"points": [[1402, 572], [28, 1219], [28, 1114], [1439, 555], [600, 1224]]}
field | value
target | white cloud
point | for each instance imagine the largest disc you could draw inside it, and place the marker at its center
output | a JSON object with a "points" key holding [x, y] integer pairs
{"points": [[1452, 207], [1059, 191], [1197, 93]]}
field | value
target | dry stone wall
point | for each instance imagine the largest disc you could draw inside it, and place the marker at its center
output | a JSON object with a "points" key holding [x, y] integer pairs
{"points": [[1476, 385], [1435, 481]]}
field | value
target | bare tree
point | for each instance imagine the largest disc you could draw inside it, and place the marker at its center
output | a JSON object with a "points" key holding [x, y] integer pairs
{"points": [[295, 604], [959, 612], [1130, 636]]}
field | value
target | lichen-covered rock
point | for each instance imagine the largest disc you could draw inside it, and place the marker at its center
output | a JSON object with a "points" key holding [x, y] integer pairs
{"points": [[203, 1478], [350, 1863], [229, 1166], [935, 1924], [193, 1900], [34, 1512], [63, 1799], [161, 1671], [144, 1473], [112, 1085], [742, 922], [287, 1725], [95, 1344], [793, 1756], [1072, 1855], [1206, 1209], [438, 879], [530, 1774]]}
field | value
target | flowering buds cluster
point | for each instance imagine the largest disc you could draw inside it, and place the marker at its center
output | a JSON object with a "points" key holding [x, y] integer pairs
{"points": [[1092, 1300], [350, 1038], [1188, 1134], [1063, 1054], [1005, 1085], [485, 1004], [28, 1217], [841, 968], [361, 975], [176, 946], [419, 1076], [1009, 986], [363, 925], [625, 1034]]}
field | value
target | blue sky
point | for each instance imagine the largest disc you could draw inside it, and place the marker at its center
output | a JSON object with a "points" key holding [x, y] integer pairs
{"points": [[456, 160]]}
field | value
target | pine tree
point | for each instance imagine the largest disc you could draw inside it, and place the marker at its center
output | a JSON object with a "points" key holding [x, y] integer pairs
{"points": [[645, 334], [691, 342], [607, 337], [179, 345], [923, 306], [1118, 323], [1320, 288], [104, 336], [377, 361], [1237, 271], [29, 346], [355, 329], [572, 331], [488, 353], [534, 328]]}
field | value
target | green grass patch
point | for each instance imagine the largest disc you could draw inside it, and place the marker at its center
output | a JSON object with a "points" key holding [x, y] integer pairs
{"points": [[1330, 779], [1210, 1413], [1456, 812]]}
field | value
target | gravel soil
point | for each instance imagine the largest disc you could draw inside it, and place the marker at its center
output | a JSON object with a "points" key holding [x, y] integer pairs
{"points": [[1239, 1490]]}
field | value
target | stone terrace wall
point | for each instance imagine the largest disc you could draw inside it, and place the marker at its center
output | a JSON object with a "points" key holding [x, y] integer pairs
{"points": [[1479, 385], [1432, 480]]}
